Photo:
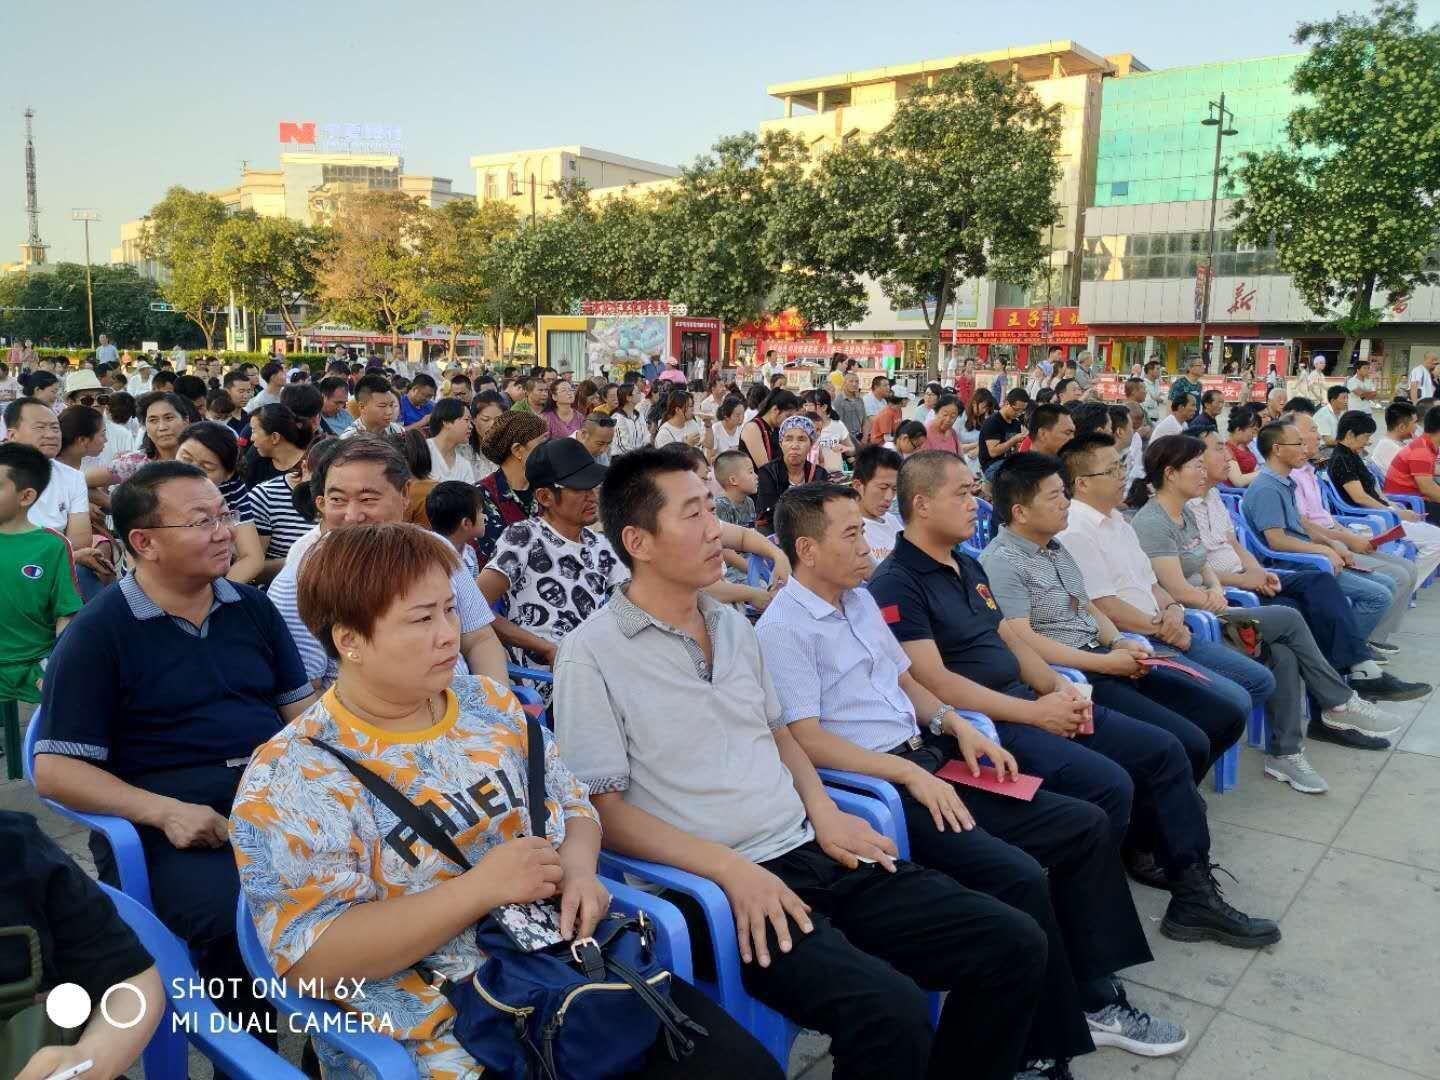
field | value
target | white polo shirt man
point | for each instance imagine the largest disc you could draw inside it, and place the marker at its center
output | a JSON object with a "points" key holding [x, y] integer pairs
{"points": [[1110, 556]]}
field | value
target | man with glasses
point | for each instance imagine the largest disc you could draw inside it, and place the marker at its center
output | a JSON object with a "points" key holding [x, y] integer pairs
{"points": [[1271, 509], [152, 708], [1120, 581]]}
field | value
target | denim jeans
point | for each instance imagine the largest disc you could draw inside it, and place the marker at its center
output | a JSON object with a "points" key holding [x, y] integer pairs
{"points": [[1245, 682], [1373, 597]]}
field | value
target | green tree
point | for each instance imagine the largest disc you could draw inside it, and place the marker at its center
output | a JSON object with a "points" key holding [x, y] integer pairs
{"points": [[271, 262], [180, 233], [1350, 199], [546, 264], [960, 184], [370, 276], [56, 308], [460, 276]]}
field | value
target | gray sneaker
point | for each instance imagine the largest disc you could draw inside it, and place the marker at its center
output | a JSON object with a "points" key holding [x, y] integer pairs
{"points": [[1294, 770], [1363, 716], [1128, 1028]]}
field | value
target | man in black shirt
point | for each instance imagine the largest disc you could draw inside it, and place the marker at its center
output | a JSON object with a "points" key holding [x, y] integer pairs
{"points": [[1003, 430], [82, 941], [938, 604], [1357, 484]]}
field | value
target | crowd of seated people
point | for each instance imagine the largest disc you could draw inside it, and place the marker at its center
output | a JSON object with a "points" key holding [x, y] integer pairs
{"points": [[264, 601]]}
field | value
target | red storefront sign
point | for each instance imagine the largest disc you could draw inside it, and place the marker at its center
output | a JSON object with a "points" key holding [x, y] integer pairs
{"points": [[1232, 389], [1034, 318]]}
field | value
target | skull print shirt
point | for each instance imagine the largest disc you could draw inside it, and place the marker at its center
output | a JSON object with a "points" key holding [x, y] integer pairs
{"points": [[555, 583]]}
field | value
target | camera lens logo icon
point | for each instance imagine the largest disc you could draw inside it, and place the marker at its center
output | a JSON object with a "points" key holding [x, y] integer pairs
{"points": [[68, 1005]]}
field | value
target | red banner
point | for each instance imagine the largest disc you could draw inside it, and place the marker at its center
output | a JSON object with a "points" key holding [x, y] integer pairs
{"points": [[812, 349], [1272, 356]]}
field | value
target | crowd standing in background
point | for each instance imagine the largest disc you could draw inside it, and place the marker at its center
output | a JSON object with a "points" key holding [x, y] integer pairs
{"points": [[219, 578]]}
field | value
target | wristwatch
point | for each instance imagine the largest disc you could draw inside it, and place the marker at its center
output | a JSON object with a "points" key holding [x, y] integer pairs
{"points": [[937, 722]]}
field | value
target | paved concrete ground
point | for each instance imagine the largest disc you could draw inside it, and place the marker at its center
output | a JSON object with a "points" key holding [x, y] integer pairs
{"points": [[1351, 993]]}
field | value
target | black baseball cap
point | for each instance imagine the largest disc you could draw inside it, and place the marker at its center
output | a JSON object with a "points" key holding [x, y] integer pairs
{"points": [[563, 463]]}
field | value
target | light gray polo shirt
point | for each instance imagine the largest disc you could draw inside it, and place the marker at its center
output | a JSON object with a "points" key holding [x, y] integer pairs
{"points": [[638, 710]]}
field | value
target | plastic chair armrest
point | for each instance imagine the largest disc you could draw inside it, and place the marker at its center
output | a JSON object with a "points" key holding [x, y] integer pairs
{"points": [[873, 811], [1414, 503], [1202, 624], [1075, 675], [880, 790], [125, 846], [515, 671], [1241, 598], [673, 938], [714, 908]]}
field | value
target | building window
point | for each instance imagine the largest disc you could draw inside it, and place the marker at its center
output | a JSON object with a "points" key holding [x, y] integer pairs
{"points": [[1119, 189]]}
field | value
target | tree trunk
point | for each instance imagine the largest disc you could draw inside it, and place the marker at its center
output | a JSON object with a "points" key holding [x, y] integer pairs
{"points": [[454, 336], [935, 320]]}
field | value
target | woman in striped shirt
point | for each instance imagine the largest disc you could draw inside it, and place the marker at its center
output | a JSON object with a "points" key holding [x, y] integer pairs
{"points": [[277, 520], [212, 446]]}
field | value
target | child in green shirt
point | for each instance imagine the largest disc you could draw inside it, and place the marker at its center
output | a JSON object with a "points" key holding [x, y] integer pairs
{"points": [[37, 579]]}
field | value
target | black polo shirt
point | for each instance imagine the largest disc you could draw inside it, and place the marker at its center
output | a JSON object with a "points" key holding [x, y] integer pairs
{"points": [[1346, 465], [949, 604]]}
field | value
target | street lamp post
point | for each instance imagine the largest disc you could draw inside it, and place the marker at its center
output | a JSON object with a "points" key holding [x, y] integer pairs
{"points": [[88, 216], [1216, 119]]}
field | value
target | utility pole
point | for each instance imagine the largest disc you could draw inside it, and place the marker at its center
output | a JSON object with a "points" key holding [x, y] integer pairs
{"points": [[1216, 119], [88, 216]]}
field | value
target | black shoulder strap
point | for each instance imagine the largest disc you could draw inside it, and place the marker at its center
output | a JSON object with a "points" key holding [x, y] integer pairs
{"points": [[535, 781], [424, 825]]}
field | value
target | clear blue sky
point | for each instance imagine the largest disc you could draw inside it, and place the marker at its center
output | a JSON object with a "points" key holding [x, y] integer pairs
{"points": [[126, 103]]}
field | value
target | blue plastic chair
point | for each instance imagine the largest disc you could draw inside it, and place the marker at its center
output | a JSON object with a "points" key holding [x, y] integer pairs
{"points": [[773, 1030], [192, 1015], [984, 523], [1255, 730], [882, 791], [123, 839], [1298, 560], [757, 572], [383, 1055], [1410, 502]]}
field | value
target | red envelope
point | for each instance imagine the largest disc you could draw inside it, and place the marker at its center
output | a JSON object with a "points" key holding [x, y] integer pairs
{"points": [[1397, 533], [1023, 787]]}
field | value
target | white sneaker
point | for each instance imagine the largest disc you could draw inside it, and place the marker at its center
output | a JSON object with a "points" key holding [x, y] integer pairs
{"points": [[1295, 770], [1363, 716]]}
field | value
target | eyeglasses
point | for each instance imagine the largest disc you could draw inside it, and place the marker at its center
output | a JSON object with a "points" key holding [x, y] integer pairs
{"points": [[1289, 444], [1115, 471], [230, 519], [90, 399]]}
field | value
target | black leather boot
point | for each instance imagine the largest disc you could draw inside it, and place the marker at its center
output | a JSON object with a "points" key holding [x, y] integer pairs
{"points": [[1198, 912]]}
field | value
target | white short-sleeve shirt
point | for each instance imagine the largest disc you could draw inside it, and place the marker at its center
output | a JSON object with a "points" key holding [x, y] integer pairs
{"points": [[66, 494], [1110, 557]]}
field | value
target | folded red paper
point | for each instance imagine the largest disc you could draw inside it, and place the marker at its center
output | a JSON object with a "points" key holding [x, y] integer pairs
{"points": [[1023, 787]]}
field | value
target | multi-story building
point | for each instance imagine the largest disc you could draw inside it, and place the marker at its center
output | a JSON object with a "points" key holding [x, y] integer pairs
{"points": [[306, 188], [824, 111], [527, 178], [1147, 230]]}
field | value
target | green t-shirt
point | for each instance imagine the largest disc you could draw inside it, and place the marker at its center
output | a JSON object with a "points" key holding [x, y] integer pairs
{"points": [[37, 586]]}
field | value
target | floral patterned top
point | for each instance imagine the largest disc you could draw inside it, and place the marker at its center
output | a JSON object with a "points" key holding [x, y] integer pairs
{"points": [[502, 506], [311, 843]]}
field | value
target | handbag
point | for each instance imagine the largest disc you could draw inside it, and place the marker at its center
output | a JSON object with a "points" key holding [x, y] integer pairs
{"points": [[591, 1007], [25, 1027]]}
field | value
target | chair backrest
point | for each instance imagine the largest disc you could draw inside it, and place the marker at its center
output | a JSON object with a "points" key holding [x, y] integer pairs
{"points": [[189, 1012], [984, 522], [124, 841]]}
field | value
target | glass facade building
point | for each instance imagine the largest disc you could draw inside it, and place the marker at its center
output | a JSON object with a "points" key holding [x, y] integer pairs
{"points": [[1152, 145]]}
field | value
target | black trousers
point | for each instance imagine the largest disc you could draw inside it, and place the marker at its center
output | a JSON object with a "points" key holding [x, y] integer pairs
{"points": [[1123, 755], [1054, 859], [1203, 721], [728, 1052], [880, 941]]}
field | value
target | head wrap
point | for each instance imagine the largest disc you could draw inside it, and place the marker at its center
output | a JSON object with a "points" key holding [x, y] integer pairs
{"points": [[802, 422]]}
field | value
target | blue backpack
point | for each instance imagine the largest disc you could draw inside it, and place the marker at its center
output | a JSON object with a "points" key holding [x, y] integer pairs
{"points": [[591, 1007]]}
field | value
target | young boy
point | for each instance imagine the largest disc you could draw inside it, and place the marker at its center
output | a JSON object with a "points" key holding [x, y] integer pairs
{"points": [[453, 508], [37, 580], [735, 473]]}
